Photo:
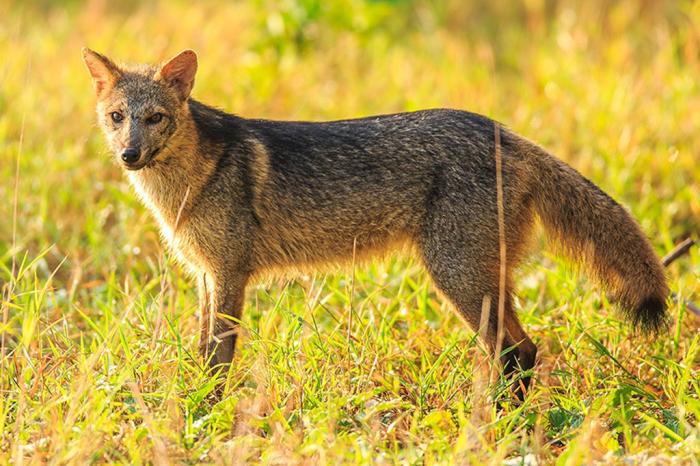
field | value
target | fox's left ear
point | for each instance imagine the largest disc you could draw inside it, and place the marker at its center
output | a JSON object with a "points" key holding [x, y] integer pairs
{"points": [[179, 73], [103, 71]]}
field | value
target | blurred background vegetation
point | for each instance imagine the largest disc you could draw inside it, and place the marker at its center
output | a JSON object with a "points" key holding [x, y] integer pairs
{"points": [[609, 86]]}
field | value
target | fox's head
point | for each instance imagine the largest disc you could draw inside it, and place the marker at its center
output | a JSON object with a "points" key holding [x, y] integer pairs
{"points": [[141, 108]]}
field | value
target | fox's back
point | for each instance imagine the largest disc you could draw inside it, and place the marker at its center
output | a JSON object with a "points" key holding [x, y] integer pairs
{"points": [[403, 142]]}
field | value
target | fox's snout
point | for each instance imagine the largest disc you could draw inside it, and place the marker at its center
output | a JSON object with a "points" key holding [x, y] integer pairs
{"points": [[135, 157], [130, 155]]}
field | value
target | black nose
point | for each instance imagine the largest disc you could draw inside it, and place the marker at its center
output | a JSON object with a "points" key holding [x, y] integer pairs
{"points": [[130, 155]]}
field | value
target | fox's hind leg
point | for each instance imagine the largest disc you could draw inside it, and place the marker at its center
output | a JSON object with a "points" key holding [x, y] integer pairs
{"points": [[464, 264], [526, 349]]}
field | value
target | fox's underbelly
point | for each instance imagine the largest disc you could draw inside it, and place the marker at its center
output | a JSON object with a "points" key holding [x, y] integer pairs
{"points": [[285, 252], [313, 238]]}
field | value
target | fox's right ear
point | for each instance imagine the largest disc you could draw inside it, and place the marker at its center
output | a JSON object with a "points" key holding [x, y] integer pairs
{"points": [[103, 71]]}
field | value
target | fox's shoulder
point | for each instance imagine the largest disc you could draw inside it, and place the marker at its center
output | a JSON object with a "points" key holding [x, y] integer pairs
{"points": [[216, 125]]}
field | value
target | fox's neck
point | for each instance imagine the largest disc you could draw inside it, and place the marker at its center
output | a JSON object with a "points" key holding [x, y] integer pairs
{"points": [[171, 185]]}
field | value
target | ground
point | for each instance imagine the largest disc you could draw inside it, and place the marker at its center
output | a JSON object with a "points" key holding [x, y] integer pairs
{"points": [[365, 364]]}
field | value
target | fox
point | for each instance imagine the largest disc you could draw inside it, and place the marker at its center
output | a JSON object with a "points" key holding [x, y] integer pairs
{"points": [[237, 198]]}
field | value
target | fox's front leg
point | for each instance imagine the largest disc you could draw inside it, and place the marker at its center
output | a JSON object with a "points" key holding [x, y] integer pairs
{"points": [[205, 327], [223, 294]]}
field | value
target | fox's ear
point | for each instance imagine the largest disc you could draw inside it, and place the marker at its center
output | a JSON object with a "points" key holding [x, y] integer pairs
{"points": [[179, 73], [104, 72]]}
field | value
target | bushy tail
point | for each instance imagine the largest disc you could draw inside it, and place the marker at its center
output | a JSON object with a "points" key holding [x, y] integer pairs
{"points": [[599, 232]]}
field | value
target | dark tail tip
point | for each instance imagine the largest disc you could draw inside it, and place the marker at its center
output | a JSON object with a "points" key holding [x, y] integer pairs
{"points": [[650, 315]]}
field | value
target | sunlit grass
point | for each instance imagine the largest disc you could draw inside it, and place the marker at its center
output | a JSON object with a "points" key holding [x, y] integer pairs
{"points": [[100, 328]]}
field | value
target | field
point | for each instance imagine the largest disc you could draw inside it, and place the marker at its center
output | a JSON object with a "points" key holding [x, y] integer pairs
{"points": [[367, 364]]}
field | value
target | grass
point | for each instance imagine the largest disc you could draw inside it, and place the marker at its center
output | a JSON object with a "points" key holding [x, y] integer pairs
{"points": [[99, 327]]}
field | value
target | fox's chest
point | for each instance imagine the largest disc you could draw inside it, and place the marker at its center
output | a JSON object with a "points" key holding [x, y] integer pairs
{"points": [[191, 246], [184, 242], [178, 232]]}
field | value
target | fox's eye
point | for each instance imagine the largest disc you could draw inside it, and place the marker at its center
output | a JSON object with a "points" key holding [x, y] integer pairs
{"points": [[116, 117], [154, 119]]}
